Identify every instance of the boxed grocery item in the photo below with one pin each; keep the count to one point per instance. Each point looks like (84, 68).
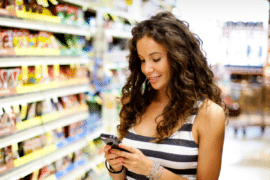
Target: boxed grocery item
(46, 171)
(10, 4)
(8, 121)
(7, 38)
(61, 11)
(7, 157)
(71, 16)
(2, 4)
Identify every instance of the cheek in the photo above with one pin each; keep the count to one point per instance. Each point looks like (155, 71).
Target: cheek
(142, 68)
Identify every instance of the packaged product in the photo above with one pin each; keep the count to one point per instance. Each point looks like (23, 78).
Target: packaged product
(32, 40)
(31, 110)
(81, 98)
(7, 39)
(46, 171)
(80, 16)
(4, 76)
(10, 153)
(61, 11)
(2, 4)
(10, 4)
(19, 5)
(1, 39)
(7, 119)
(2, 158)
(58, 134)
(77, 155)
(59, 164)
(65, 101)
(13, 77)
(71, 16)
(43, 39)
(34, 144)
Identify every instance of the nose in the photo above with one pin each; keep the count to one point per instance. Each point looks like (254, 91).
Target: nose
(148, 67)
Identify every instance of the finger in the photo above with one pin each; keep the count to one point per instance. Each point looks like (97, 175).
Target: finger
(111, 156)
(124, 154)
(116, 161)
(129, 148)
(107, 148)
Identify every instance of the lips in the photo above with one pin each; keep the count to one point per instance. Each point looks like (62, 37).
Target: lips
(154, 79)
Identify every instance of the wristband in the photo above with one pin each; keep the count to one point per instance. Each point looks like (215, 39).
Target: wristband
(110, 169)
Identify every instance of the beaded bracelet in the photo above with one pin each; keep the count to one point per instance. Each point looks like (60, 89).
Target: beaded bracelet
(154, 167)
(159, 173)
(110, 169)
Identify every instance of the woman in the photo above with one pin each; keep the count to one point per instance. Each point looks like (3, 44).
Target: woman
(172, 118)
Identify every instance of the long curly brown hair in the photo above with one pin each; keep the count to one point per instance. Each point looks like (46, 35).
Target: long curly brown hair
(191, 76)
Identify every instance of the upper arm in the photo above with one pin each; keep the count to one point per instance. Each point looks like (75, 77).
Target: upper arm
(211, 131)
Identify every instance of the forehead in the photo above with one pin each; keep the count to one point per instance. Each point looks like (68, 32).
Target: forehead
(148, 45)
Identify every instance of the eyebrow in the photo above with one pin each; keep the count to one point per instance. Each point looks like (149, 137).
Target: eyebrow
(151, 54)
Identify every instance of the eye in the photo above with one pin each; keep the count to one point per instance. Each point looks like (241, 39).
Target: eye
(142, 61)
(156, 60)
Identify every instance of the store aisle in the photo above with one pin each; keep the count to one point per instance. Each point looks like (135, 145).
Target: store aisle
(246, 157)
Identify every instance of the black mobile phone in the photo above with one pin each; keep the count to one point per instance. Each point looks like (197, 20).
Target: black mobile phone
(111, 140)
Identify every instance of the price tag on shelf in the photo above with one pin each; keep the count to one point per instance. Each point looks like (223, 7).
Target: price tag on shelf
(24, 73)
(16, 109)
(45, 70)
(23, 110)
(56, 70)
(38, 71)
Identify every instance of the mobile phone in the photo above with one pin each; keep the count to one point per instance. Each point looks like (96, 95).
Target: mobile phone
(111, 140)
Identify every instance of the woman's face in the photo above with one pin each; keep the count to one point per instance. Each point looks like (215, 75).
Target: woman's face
(154, 62)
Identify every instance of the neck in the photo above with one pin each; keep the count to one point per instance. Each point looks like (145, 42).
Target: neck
(162, 96)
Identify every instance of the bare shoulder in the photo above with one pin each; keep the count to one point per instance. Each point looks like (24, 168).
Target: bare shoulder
(210, 116)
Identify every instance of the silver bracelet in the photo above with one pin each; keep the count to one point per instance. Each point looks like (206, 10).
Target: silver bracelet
(159, 172)
(153, 170)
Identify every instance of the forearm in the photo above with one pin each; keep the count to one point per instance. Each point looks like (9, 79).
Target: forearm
(121, 176)
(166, 174)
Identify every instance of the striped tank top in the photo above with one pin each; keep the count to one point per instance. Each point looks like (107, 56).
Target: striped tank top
(177, 153)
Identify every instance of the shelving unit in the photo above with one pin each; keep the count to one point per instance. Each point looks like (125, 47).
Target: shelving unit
(9, 97)
(32, 61)
(45, 26)
(48, 159)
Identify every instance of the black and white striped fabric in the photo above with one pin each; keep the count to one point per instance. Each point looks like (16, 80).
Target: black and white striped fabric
(177, 153)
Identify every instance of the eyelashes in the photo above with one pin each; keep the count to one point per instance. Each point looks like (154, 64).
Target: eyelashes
(155, 60)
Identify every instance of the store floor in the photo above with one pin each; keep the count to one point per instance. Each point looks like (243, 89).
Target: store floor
(246, 157)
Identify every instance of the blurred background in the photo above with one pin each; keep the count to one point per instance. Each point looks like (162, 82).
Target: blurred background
(63, 64)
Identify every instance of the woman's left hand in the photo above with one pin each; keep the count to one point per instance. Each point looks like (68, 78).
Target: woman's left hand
(134, 160)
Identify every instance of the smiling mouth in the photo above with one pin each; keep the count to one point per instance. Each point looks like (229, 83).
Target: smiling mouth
(153, 79)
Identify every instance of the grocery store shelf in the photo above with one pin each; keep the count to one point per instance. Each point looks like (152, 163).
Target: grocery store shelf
(41, 129)
(118, 34)
(28, 168)
(83, 3)
(43, 95)
(44, 26)
(83, 169)
(244, 70)
(32, 61)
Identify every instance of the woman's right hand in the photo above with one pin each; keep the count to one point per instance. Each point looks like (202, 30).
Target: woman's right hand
(115, 161)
